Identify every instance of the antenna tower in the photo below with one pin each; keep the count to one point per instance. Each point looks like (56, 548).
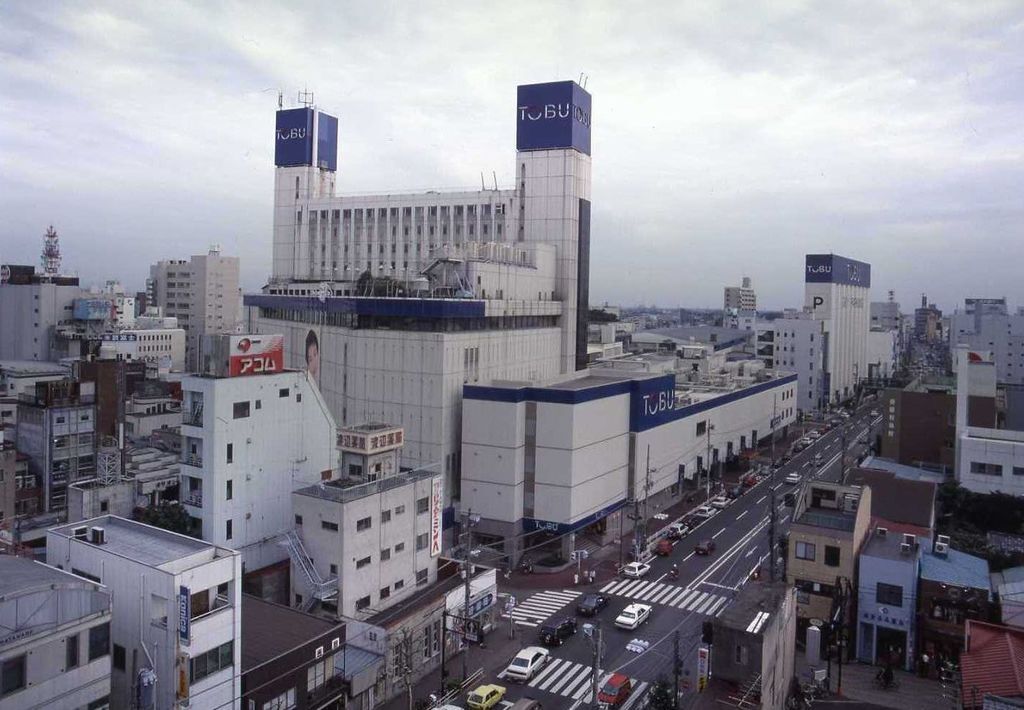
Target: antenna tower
(306, 98)
(50, 257)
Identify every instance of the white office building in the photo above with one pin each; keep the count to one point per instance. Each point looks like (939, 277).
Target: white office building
(795, 344)
(202, 293)
(740, 298)
(566, 456)
(31, 307)
(55, 648)
(883, 353)
(985, 325)
(176, 619)
(250, 438)
(395, 301)
(836, 292)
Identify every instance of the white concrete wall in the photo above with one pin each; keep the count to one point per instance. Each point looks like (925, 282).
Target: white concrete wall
(882, 351)
(846, 311)
(28, 315)
(283, 445)
(493, 455)
(996, 447)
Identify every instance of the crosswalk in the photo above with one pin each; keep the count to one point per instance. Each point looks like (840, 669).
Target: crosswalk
(573, 680)
(668, 594)
(534, 610)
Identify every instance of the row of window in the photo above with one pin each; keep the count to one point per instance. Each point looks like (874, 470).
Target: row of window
(808, 551)
(241, 410)
(364, 602)
(407, 212)
(12, 671)
(993, 469)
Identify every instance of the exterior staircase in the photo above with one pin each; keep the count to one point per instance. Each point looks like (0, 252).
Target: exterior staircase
(320, 589)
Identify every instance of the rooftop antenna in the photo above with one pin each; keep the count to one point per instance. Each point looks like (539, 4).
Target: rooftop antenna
(482, 186)
(580, 82)
(50, 257)
(280, 99)
(306, 98)
(495, 176)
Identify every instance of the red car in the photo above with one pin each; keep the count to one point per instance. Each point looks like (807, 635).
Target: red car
(616, 690)
(664, 548)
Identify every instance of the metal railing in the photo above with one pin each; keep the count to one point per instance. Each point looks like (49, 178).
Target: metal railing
(321, 588)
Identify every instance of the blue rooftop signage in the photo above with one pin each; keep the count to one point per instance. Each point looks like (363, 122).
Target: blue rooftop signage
(831, 268)
(652, 402)
(553, 115)
(326, 141)
(293, 143)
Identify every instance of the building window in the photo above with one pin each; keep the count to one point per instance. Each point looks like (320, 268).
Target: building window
(399, 584)
(13, 675)
(889, 594)
(318, 673)
(385, 517)
(831, 556)
(385, 554)
(298, 397)
(334, 568)
(422, 505)
(362, 563)
(421, 577)
(987, 469)
(399, 547)
(702, 428)
(385, 592)
(741, 656)
(422, 541)
(298, 520)
(99, 641)
(399, 509)
(364, 524)
(227, 529)
(71, 652)
(240, 410)
(259, 404)
(216, 659)
(283, 392)
(228, 492)
(284, 701)
(362, 603)
(118, 659)
(231, 453)
(328, 525)
(1018, 470)
(805, 551)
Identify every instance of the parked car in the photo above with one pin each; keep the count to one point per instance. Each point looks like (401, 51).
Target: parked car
(636, 570)
(663, 548)
(749, 481)
(703, 512)
(632, 616)
(818, 459)
(734, 492)
(526, 663)
(799, 446)
(786, 458)
(792, 477)
(813, 434)
(720, 502)
(591, 603)
(615, 690)
(677, 530)
(874, 412)
(554, 633)
(485, 697)
(705, 547)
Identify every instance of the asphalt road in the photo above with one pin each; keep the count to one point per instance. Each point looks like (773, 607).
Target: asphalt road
(705, 587)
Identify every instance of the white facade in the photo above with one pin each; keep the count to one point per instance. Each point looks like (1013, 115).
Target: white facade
(883, 353)
(836, 292)
(176, 609)
(796, 345)
(29, 314)
(56, 649)
(740, 298)
(562, 456)
(247, 442)
(161, 346)
(202, 293)
(372, 540)
(993, 330)
(987, 460)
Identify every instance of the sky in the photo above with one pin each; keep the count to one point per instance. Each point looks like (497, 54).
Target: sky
(729, 138)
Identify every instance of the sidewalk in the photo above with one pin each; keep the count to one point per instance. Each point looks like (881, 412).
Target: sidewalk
(912, 691)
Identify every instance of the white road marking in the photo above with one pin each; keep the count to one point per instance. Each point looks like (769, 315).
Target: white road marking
(689, 556)
(741, 515)
(761, 499)
(718, 533)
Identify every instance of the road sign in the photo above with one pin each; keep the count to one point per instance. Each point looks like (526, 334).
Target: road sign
(577, 555)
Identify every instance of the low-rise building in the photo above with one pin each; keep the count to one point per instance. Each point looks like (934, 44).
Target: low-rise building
(176, 618)
(18, 377)
(55, 648)
(754, 641)
(887, 598)
(901, 505)
(830, 523)
(954, 587)
(991, 676)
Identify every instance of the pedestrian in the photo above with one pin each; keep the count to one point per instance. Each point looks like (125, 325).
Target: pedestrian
(924, 665)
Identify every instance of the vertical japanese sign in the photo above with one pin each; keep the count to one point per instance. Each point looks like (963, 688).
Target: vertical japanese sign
(184, 614)
(703, 662)
(436, 504)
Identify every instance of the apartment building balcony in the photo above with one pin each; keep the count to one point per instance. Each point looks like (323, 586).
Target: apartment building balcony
(192, 460)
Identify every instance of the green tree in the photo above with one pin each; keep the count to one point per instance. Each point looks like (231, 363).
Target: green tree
(660, 697)
(169, 516)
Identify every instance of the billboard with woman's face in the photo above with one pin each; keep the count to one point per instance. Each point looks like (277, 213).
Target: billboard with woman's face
(313, 355)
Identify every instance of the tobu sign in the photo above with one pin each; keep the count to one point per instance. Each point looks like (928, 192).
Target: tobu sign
(652, 402)
(436, 504)
(255, 354)
(553, 115)
(835, 269)
(293, 137)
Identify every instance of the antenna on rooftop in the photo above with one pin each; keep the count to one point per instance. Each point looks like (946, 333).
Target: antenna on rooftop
(280, 100)
(495, 176)
(306, 98)
(50, 256)
(482, 186)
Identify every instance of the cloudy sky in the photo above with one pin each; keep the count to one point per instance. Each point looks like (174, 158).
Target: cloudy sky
(728, 139)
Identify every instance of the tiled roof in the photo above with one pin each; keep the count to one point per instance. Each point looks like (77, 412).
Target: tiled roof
(993, 661)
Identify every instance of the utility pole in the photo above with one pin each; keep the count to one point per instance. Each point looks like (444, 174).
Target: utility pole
(594, 668)
(772, 511)
(444, 643)
(467, 571)
(842, 451)
(710, 428)
(675, 670)
(640, 519)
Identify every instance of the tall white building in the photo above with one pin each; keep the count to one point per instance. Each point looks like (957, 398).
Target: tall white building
(456, 287)
(740, 298)
(795, 344)
(836, 292)
(176, 626)
(985, 325)
(31, 307)
(249, 438)
(202, 293)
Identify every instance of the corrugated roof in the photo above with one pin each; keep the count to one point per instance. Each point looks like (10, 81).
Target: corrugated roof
(993, 661)
(957, 569)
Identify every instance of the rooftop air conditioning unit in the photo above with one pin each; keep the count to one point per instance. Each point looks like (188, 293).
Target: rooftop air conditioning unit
(941, 549)
(98, 536)
(909, 539)
(905, 548)
(81, 533)
(319, 651)
(943, 540)
(335, 644)
(882, 532)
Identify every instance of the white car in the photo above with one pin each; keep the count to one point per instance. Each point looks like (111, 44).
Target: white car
(812, 435)
(526, 663)
(720, 502)
(632, 616)
(703, 512)
(793, 477)
(636, 570)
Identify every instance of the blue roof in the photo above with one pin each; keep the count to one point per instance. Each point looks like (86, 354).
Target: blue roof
(957, 569)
